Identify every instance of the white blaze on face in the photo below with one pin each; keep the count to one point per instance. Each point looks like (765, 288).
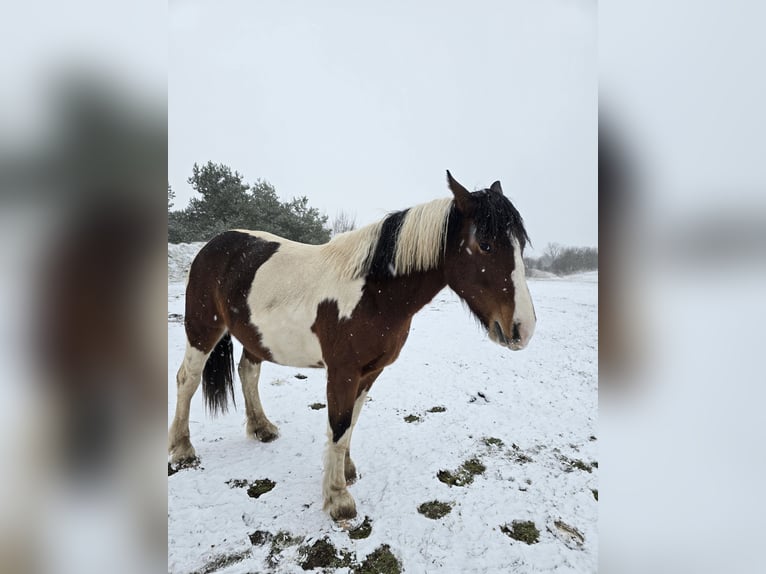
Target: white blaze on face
(524, 310)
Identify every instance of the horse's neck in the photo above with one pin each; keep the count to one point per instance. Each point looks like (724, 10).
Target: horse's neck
(410, 293)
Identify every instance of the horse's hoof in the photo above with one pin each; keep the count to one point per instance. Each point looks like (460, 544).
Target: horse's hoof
(182, 453)
(265, 433)
(342, 507)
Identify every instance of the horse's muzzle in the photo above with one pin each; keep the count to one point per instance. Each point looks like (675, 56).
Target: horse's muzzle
(498, 336)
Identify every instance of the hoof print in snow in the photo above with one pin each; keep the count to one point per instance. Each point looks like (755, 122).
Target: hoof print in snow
(436, 409)
(479, 397)
(362, 531)
(569, 535)
(522, 530)
(463, 475)
(435, 509)
(300, 376)
(411, 419)
(317, 406)
(260, 537)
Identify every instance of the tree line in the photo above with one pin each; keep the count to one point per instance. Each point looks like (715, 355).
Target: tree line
(564, 260)
(226, 201)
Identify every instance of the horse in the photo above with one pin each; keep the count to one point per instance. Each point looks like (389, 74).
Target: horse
(345, 306)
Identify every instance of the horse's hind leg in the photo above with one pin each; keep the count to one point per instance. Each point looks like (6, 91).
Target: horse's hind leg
(188, 380)
(258, 425)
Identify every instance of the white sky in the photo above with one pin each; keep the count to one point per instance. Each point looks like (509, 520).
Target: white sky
(363, 106)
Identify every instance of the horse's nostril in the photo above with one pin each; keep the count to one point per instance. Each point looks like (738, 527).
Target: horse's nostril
(499, 333)
(516, 336)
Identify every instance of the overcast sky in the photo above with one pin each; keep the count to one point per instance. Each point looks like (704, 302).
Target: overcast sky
(363, 106)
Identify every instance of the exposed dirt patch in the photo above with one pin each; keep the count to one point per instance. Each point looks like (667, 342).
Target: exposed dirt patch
(437, 409)
(362, 531)
(595, 493)
(300, 376)
(463, 475)
(435, 509)
(317, 406)
(522, 530)
(411, 418)
(175, 318)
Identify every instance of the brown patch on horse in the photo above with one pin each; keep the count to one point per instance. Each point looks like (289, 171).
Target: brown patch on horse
(220, 279)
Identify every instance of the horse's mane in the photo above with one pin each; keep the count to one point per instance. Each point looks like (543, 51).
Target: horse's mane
(414, 239)
(403, 242)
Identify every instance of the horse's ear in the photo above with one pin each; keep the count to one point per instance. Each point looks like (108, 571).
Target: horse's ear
(496, 188)
(463, 200)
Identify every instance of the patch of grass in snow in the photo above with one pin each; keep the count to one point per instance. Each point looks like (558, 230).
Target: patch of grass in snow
(380, 561)
(317, 406)
(492, 441)
(260, 537)
(569, 534)
(223, 561)
(573, 463)
(362, 531)
(595, 493)
(322, 554)
(463, 475)
(193, 463)
(437, 409)
(281, 541)
(522, 530)
(411, 418)
(435, 509)
(255, 488)
(259, 487)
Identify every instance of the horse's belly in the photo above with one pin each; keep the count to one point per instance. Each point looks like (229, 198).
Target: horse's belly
(290, 341)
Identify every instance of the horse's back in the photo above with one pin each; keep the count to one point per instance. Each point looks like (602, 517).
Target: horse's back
(266, 290)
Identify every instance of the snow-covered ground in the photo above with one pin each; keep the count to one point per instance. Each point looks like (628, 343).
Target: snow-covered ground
(541, 404)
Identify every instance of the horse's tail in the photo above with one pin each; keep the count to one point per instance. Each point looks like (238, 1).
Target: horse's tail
(218, 377)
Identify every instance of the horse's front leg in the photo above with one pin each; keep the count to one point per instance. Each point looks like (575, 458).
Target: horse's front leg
(342, 391)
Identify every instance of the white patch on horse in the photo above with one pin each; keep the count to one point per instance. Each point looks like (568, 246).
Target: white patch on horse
(286, 292)
(524, 310)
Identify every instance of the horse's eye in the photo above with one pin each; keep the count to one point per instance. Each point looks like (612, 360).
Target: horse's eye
(486, 247)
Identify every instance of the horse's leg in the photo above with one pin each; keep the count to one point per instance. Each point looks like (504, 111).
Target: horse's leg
(342, 393)
(188, 379)
(258, 425)
(348, 466)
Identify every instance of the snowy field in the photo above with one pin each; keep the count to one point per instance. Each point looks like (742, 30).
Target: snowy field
(524, 422)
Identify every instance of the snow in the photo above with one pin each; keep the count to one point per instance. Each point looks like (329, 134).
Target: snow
(541, 402)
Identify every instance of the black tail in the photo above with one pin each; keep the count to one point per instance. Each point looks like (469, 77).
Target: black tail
(218, 377)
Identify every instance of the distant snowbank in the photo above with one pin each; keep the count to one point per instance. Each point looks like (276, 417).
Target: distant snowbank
(585, 276)
(180, 256)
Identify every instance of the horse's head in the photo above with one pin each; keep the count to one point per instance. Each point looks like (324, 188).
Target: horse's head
(484, 265)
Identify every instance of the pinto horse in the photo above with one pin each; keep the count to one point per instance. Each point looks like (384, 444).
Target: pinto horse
(345, 306)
